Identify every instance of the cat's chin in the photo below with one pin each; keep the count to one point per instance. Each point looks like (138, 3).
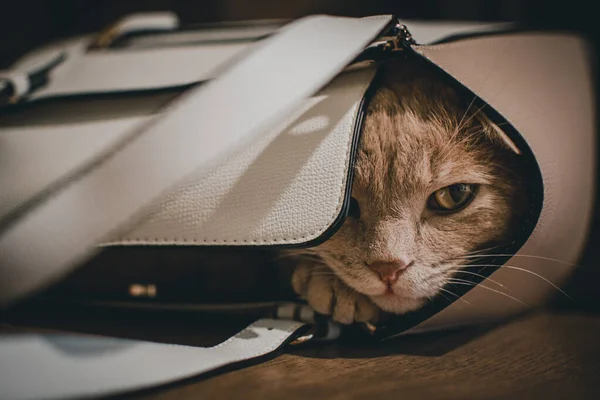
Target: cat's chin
(396, 304)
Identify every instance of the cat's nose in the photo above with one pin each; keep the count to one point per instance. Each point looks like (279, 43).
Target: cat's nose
(389, 271)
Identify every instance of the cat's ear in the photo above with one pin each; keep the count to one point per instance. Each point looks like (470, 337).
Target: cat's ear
(495, 133)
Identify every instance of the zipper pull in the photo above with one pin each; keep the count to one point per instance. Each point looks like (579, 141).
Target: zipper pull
(402, 39)
(404, 36)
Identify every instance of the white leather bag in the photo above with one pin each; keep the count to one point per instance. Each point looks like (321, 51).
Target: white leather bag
(244, 137)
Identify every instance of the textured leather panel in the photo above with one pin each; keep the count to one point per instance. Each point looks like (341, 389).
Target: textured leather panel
(542, 84)
(287, 187)
(76, 366)
(196, 132)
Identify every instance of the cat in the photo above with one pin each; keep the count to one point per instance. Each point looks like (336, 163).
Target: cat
(434, 181)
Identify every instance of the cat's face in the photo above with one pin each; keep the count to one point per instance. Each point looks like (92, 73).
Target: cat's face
(431, 186)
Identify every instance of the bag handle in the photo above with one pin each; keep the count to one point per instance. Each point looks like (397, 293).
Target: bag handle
(45, 239)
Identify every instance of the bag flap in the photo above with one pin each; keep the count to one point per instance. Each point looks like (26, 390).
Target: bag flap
(287, 188)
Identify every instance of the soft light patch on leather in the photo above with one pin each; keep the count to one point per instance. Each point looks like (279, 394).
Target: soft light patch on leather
(311, 125)
(287, 188)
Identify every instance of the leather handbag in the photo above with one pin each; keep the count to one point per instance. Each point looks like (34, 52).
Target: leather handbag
(154, 138)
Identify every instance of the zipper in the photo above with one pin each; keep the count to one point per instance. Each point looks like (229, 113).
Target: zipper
(403, 39)
(400, 40)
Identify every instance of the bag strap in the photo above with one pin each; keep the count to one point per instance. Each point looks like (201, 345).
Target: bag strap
(44, 239)
(65, 366)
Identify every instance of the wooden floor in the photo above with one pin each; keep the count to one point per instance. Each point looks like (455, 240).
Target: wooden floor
(544, 355)
(548, 355)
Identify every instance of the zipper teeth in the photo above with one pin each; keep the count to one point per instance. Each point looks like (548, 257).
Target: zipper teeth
(398, 38)
(404, 35)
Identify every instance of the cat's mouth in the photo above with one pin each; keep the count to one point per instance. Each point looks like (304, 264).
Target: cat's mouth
(400, 298)
(396, 297)
(389, 290)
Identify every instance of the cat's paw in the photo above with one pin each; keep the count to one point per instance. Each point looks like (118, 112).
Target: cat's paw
(327, 294)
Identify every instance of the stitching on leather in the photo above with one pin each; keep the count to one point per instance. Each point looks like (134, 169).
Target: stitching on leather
(310, 235)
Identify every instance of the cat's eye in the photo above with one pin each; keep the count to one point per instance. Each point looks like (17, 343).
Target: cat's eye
(452, 198)
(354, 211)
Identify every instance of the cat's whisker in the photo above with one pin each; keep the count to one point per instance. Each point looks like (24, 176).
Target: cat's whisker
(444, 296)
(475, 253)
(453, 294)
(462, 281)
(473, 115)
(479, 275)
(460, 122)
(472, 256)
(526, 256)
(527, 271)
(429, 298)
(493, 290)
(484, 250)
(539, 276)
